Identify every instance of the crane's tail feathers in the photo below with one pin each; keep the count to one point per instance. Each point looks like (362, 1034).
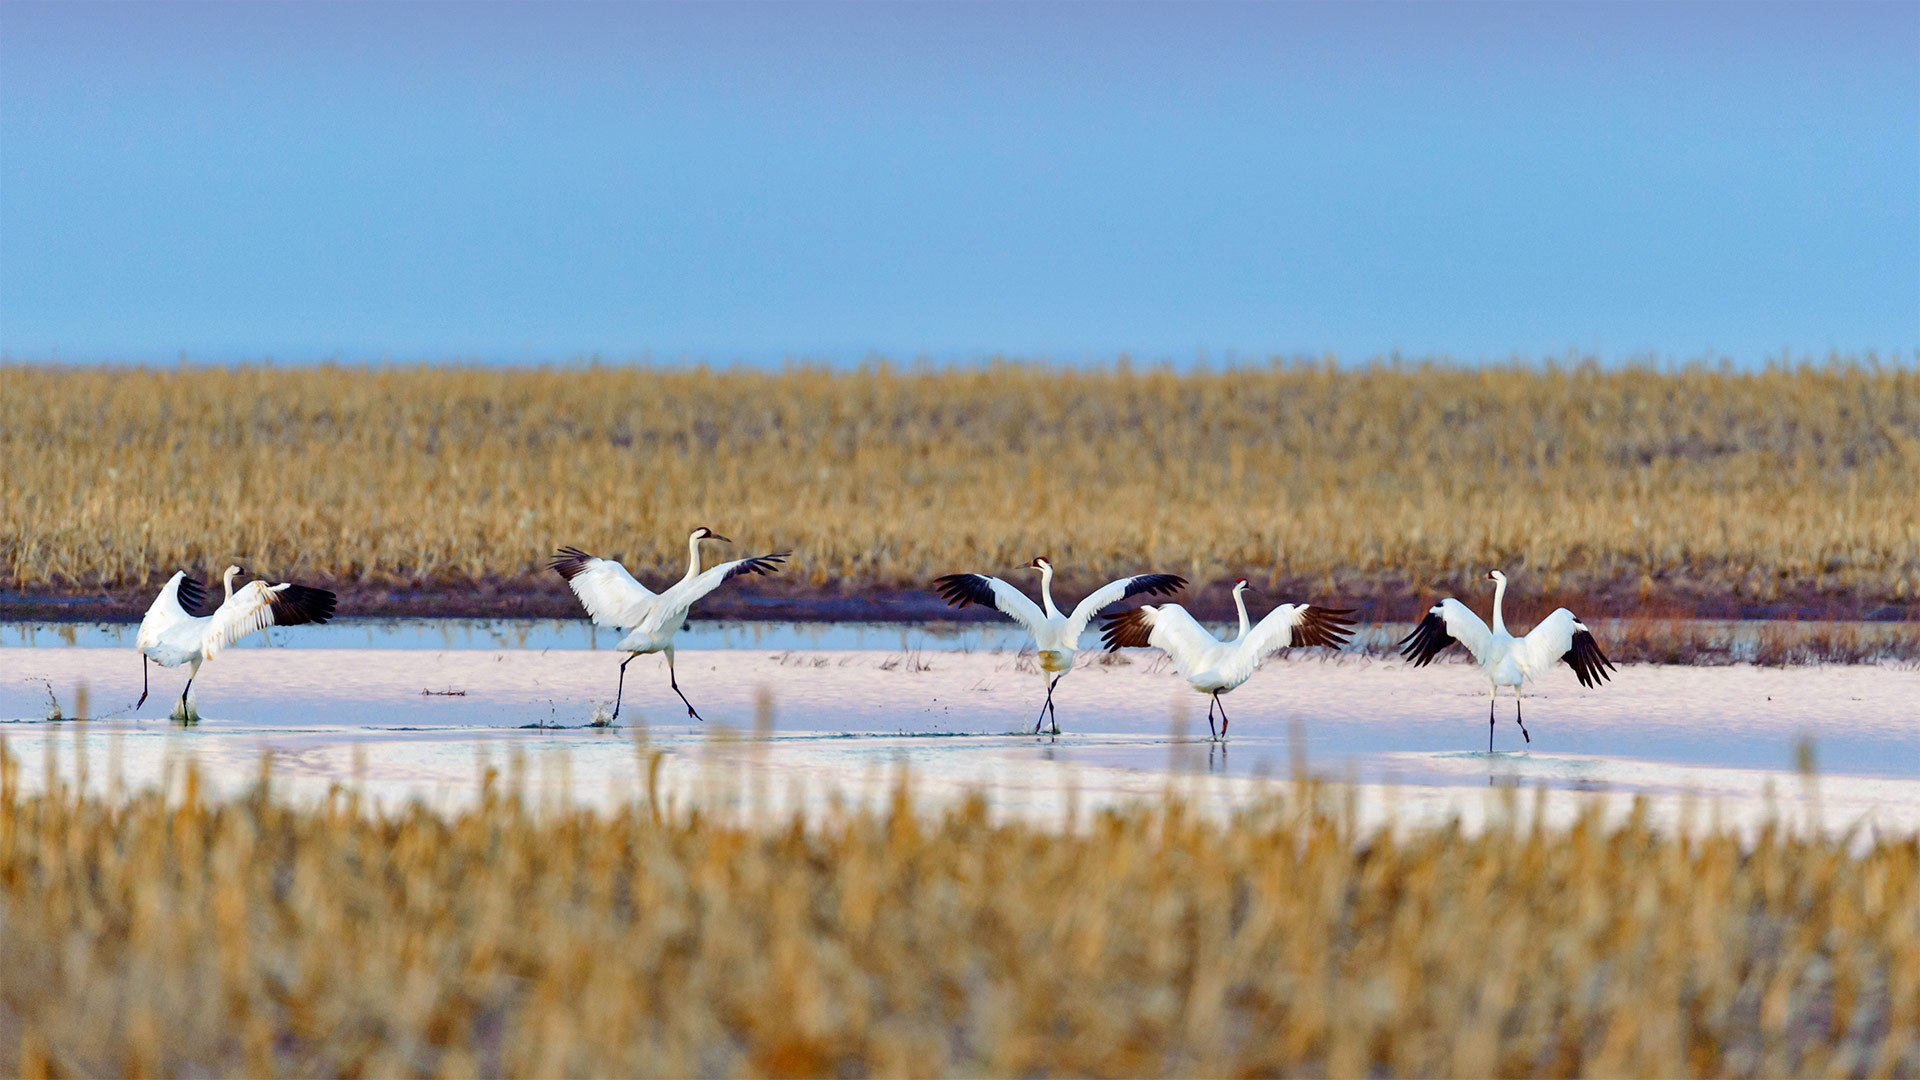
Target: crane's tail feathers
(764, 564)
(1586, 660)
(1130, 629)
(959, 590)
(1324, 626)
(193, 597)
(294, 605)
(1427, 641)
(568, 562)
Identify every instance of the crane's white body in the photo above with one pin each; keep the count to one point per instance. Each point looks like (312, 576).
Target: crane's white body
(616, 600)
(1507, 660)
(170, 635)
(1055, 634)
(1214, 667)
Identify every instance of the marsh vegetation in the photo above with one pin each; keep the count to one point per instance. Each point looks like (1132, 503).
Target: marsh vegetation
(152, 934)
(1697, 490)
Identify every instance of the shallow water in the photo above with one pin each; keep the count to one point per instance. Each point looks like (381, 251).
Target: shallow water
(397, 709)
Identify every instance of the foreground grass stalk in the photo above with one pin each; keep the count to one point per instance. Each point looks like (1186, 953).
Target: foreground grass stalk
(1754, 486)
(156, 935)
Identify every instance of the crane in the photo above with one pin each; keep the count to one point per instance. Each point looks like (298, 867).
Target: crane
(178, 629)
(613, 598)
(1055, 634)
(1214, 667)
(1507, 660)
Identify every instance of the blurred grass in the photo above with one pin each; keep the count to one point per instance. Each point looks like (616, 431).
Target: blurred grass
(1801, 482)
(168, 936)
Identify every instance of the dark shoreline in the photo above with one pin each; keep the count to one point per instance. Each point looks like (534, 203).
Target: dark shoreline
(545, 597)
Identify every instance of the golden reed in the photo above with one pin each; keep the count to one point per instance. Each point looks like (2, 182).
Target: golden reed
(156, 936)
(1697, 481)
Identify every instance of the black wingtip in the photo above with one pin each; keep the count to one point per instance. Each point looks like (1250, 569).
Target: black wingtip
(1589, 664)
(568, 562)
(1128, 630)
(1157, 585)
(192, 596)
(760, 564)
(298, 604)
(1325, 626)
(1427, 641)
(959, 590)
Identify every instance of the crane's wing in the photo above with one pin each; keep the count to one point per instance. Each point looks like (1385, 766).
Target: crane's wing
(257, 606)
(1447, 622)
(1300, 625)
(683, 593)
(1115, 591)
(963, 589)
(1167, 627)
(611, 595)
(1561, 637)
(181, 599)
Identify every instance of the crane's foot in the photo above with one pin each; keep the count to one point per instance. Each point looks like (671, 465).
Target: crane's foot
(690, 709)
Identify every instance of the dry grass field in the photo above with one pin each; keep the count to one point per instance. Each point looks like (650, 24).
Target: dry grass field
(150, 936)
(1785, 490)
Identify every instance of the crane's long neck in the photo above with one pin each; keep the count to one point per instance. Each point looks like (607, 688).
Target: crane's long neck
(1046, 591)
(226, 579)
(693, 558)
(1240, 604)
(1499, 595)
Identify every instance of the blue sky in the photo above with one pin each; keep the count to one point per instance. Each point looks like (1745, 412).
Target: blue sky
(727, 181)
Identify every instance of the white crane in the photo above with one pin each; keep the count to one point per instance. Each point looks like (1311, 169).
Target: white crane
(1214, 667)
(1056, 635)
(1507, 660)
(614, 599)
(177, 630)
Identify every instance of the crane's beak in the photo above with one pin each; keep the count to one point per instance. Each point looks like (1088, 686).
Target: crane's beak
(717, 536)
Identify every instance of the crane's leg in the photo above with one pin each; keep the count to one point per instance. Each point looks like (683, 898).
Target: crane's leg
(186, 706)
(1490, 700)
(1516, 716)
(144, 661)
(675, 683)
(1213, 701)
(1223, 718)
(621, 687)
(1046, 707)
